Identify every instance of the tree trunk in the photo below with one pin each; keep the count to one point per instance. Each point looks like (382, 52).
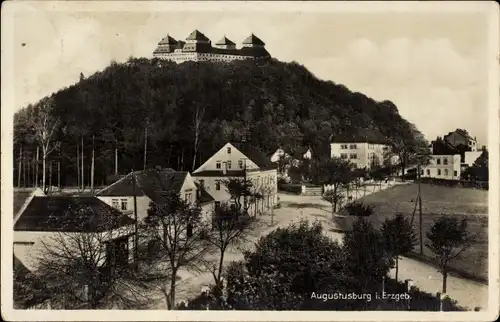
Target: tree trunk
(82, 168)
(59, 175)
(116, 157)
(19, 167)
(92, 165)
(397, 267)
(145, 146)
(44, 170)
(171, 293)
(420, 214)
(37, 165)
(28, 168)
(78, 166)
(445, 276)
(24, 171)
(182, 159)
(50, 176)
(218, 282)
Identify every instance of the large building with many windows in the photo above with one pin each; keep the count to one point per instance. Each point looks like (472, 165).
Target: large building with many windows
(198, 47)
(362, 154)
(443, 167)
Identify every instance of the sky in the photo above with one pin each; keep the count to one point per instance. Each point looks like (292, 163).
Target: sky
(433, 66)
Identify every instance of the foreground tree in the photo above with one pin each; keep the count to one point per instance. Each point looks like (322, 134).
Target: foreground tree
(231, 228)
(399, 237)
(240, 191)
(80, 266)
(367, 260)
(449, 238)
(175, 231)
(335, 198)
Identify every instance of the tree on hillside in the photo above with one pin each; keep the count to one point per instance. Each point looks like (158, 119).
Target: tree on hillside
(44, 125)
(359, 209)
(367, 260)
(399, 237)
(449, 238)
(179, 234)
(230, 228)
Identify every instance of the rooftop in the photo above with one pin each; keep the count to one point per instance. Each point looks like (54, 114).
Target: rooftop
(197, 35)
(253, 40)
(70, 214)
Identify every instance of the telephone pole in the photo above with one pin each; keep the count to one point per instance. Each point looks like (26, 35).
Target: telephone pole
(136, 242)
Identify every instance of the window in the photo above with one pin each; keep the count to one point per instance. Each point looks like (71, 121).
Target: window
(218, 165)
(228, 150)
(445, 172)
(439, 172)
(428, 172)
(217, 204)
(455, 173)
(445, 161)
(217, 185)
(353, 146)
(438, 161)
(421, 172)
(343, 146)
(354, 156)
(343, 155)
(124, 204)
(240, 164)
(228, 164)
(187, 197)
(114, 203)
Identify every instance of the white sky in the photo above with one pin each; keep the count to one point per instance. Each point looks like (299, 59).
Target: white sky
(432, 66)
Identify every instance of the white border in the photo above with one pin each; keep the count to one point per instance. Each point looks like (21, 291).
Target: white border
(9, 9)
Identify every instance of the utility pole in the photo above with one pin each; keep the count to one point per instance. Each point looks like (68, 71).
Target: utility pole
(145, 146)
(420, 211)
(92, 165)
(136, 242)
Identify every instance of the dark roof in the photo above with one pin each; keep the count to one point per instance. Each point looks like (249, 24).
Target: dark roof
(20, 197)
(225, 41)
(204, 196)
(168, 41)
(253, 40)
(70, 214)
(256, 156)
(197, 35)
(153, 183)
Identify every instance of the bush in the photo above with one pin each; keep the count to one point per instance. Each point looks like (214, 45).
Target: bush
(359, 209)
(456, 183)
(290, 187)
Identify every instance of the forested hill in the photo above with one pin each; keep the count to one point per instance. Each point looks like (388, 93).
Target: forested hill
(279, 103)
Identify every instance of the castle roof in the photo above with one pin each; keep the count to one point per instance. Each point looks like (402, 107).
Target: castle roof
(168, 41)
(253, 40)
(225, 41)
(197, 35)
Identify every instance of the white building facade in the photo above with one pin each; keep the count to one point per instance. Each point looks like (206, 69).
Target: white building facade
(443, 167)
(362, 154)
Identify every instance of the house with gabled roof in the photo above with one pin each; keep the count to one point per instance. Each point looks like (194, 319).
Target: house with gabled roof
(239, 160)
(150, 186)
(46, 220)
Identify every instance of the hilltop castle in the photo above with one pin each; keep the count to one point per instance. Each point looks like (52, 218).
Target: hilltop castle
(198, 47)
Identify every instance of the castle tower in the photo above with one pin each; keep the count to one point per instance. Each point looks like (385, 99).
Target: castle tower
(166, 45)
(225, 43)
(253, 42)
(197, 42)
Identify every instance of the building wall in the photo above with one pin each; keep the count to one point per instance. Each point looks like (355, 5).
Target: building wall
(30, 245)
(235, 156)
(361, 154)
(179, 56)
(443, 167)
(266, 181)
(456, 139)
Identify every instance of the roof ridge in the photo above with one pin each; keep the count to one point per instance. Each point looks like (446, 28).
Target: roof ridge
(114, 183)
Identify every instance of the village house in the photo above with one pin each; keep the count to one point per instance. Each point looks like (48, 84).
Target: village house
(46, 221)
(284, 160)
(363, 154)
(461, 137)
(150, 186)
(239, 160)
(443, 167)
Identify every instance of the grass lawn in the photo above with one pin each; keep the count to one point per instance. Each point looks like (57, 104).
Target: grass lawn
(438, 200)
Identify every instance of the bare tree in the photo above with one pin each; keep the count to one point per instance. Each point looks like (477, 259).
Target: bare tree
(239, 188)
(85, 264)
(197, 122)
(44, 125)
(231, 228)
(176, 232)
